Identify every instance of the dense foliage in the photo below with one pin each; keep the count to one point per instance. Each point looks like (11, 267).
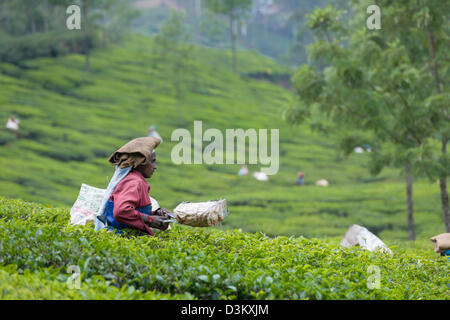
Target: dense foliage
(37, 244)
(273, 28)
(380, 82)
(31, 29)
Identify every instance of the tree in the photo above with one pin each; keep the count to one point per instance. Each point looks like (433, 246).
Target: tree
(112, 18)
(85, 11)
(175, 55)
(38, 28)
(423, 27)
(235, 10)
(24, 17)
(211, 28)
(433, 22)
(368, 81)
(107, 16)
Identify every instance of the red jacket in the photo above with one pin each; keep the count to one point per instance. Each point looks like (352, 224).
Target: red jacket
(131, 193)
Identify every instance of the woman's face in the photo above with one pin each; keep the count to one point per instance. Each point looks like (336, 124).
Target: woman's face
(149, 168)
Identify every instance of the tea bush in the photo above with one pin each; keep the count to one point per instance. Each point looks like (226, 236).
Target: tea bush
(39, 285)
(203, 263)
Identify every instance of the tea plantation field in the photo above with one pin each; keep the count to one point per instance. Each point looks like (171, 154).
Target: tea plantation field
(38, 247)
(72, 120)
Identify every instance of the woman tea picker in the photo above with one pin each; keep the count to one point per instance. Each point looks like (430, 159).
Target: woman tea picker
(127, 203)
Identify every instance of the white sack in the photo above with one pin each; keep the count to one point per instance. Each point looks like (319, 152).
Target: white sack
(322, 183)
(357, 235)
(261, 176)
(201, 214)
(358, 150)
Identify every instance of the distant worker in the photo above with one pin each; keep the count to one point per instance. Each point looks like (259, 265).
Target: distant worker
(301, 179)
(13, 125)
(243, 171)
(367, 147)
(153, 133)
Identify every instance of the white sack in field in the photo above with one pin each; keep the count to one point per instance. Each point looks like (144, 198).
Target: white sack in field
(358, 150)
(261, 176)
(357, 235)
(322, 183)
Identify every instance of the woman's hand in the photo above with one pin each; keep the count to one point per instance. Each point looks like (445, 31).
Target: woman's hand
(158, 222)
(163, 212)
(155, 221)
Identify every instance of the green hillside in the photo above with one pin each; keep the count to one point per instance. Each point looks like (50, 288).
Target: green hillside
(72, 120)
(200, 263)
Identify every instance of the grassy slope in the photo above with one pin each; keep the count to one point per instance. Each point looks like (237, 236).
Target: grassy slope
(201, 263)
(72, 120)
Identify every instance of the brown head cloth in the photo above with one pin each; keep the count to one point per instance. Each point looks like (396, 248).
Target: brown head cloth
(135, 152)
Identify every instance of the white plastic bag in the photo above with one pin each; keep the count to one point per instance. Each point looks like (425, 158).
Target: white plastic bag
(201, 214)
(87, 205)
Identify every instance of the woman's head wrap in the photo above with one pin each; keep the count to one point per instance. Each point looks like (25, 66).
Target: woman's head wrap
(135, 153)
